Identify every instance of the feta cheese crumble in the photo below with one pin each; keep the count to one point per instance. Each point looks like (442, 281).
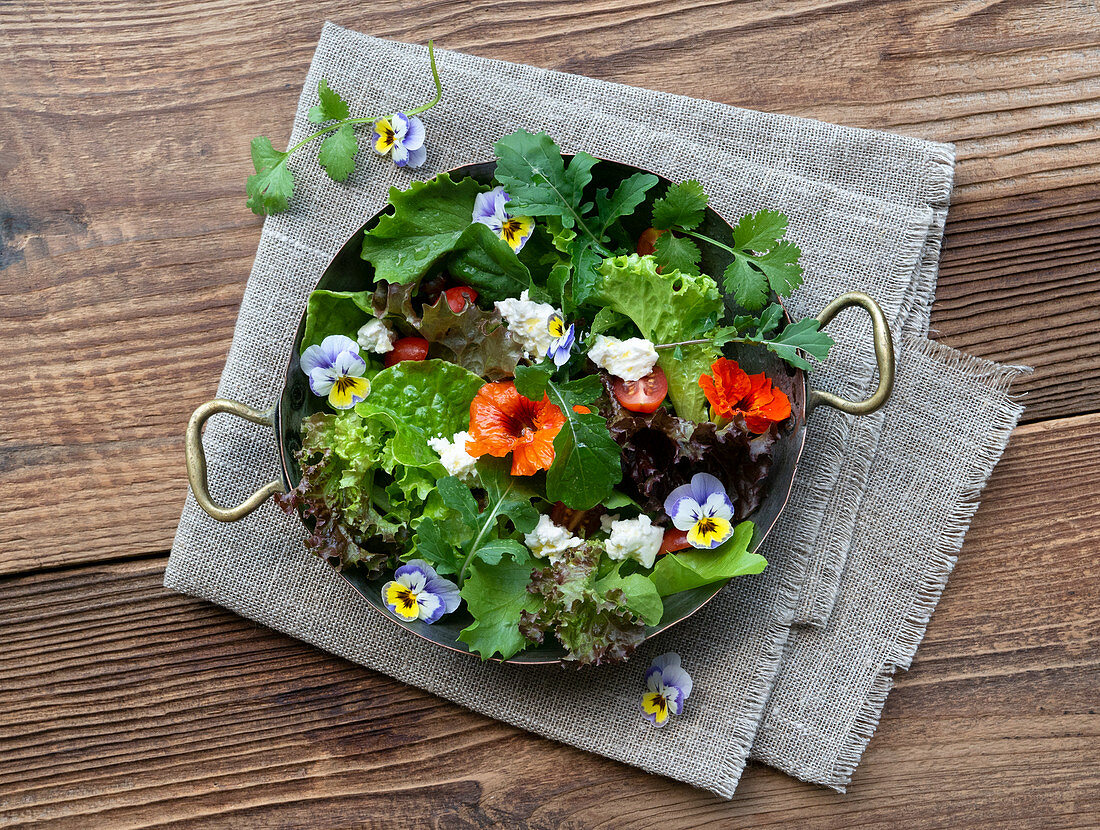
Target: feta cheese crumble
(636, 539)
(375, 336)
(631, 359)
(551, 541)
(529, 323)
(456, 460)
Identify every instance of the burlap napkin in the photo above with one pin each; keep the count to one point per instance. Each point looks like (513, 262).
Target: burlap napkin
(866, 209)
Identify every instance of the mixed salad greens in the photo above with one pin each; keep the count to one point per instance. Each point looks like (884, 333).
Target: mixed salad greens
(527, 412)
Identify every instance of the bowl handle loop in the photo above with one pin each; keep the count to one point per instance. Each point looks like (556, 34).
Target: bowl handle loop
(884, 356)
(196, 459)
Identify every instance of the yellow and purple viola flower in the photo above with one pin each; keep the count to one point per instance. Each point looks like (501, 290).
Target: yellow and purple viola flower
(417, 592)
(563, 341)
(667, 687)
(703, 509)
(335, 370)
(489, 210)
(402, 136)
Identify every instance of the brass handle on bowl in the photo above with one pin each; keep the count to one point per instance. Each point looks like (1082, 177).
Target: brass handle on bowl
(196, 459)
(884, 356)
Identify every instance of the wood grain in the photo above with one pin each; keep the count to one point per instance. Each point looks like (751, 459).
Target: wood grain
(127, 706)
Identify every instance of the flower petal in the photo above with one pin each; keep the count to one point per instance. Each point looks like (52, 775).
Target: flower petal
(347, 391)
(350, 363)
(718, 505)
(399, 155)
(431, 607)
(489, 209)
(708, 533)
(384, 136)
(675, 676)
(704, 485)
(414, 135)
(321, 380)
(417, 157)
(400, 123)
(446, 590)
(401, 600)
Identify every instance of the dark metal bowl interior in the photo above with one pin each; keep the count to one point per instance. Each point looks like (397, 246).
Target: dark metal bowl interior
(349, 272)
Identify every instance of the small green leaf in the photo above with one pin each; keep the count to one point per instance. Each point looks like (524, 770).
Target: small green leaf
(759, 231)
(496, 595)
(692, 568)
(805, 335)
(780, 264)
(336, 312)
(682, 207)
(532, 170)
(270, 189)
(331, 107)
(640, 595)
(458, 497)
(491, 552)
(485, 261)
(677, 253)
(628, 195)
(337, 153)
(531, 380)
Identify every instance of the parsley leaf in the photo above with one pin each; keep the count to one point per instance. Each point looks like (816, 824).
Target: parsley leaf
(682, 207)
(748, 285)
(271, 187)
(332, 106)
(763, 260)
(337, 153)
(677, 253)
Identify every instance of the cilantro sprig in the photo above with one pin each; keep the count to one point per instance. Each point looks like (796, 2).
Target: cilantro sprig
(271, 187)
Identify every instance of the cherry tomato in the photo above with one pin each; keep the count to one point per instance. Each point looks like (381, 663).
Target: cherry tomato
(407, 348)
(458, 296)
(647, 242)
(674, 540)
(643, 395)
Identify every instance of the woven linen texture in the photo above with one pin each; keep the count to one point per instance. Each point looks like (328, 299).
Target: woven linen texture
(862, 207)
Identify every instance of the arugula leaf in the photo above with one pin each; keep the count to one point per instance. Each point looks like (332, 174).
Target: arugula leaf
(331, 107)
(586, 277)
(458, 497)
(270, 189)
(532, 170)
(336, 312)
(491, 552)
(428, 222)
(433, 548)
(496, 596)
(667, 307)
(682, 206)
(608, 319)
(677, 253)
(805, 335)
(506, 495)
(337, 153)
(485, 261)
(627, 196)
(586, 458)
(689, 569)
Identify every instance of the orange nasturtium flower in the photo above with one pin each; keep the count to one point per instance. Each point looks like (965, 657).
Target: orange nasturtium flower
(502, 421)
(732, 391)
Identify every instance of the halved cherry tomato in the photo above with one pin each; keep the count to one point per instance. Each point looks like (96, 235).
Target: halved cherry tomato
(643, 395)
(458, 296)
(647, 242)
(674, 540)
(406, 348)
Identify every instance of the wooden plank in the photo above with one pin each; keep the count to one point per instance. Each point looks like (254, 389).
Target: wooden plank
(124, 705)
(124, 243)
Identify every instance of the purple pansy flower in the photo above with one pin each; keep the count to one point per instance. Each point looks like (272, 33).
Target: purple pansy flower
(335, 369)
(402, 136)
(489, 210)
(703, 509)
(562, 343)
(668, 686)
(417, 592)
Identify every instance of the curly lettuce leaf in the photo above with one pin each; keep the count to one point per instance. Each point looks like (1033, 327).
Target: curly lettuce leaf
(586, 459)
(497, 596)
(428, 222)
(597, 618)
(336, 312)
(667, 308)
(478, 339)
(689, 569)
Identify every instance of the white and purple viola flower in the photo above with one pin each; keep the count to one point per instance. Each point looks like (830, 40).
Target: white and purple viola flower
(489, 211)
(703, 509)
(335, 370)
(402, 136)
(563, 339)
(667, 687)
(417, 592)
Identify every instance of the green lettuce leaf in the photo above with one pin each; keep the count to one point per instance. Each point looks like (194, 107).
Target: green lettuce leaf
(496, 596)
(336, 312)
(689, 569)
(428, 222)
(667, 308)
(485, 261)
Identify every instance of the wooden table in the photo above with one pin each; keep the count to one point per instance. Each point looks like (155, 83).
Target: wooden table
(124, 133)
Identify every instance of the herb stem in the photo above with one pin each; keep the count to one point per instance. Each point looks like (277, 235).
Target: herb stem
(416, 111)
(701, 342)
(713, 242)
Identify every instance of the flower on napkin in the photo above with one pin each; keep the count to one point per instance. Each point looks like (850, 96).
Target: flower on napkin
(732, 391)
(502, 421)
(668, 686)
(702, 508)
(417, 592)
(402, 136)
(335, 369)
(489, 211)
